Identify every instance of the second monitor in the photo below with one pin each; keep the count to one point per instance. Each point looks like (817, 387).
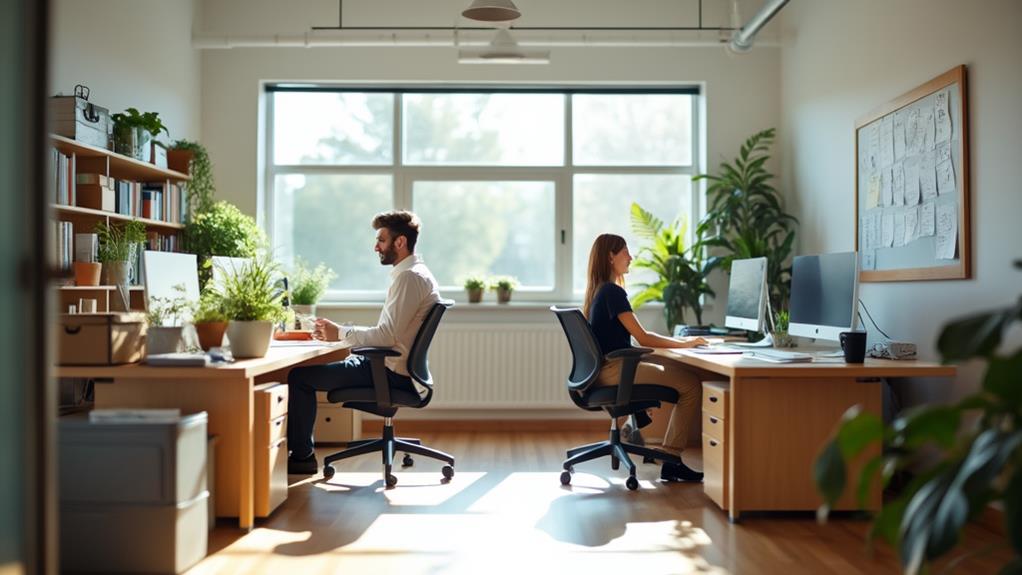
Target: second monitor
(746, 295)
(824, 295)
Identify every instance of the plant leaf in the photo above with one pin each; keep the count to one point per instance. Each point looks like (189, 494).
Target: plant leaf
(977, 335)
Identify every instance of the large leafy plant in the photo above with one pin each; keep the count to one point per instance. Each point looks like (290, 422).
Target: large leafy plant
(253, 293)
(975, 464)
(745, 218)
(222, 230)
(132, 118)
(681, 273)
(201, 189)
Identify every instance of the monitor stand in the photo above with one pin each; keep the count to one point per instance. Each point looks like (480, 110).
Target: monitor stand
(768, 338)
(767, 341)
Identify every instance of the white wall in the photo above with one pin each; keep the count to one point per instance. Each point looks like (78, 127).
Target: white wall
(842, 59)
(130, 53)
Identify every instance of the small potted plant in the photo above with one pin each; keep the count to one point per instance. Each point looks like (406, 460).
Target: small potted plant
(780, 335)
(308, 285)
(117, 249)
(474, 286)
(503, 285)
(88, 271)
(134, 132)
(252, 303)
(210, 319)
(164, 316)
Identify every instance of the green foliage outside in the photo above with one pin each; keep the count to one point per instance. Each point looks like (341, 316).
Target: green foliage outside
(201, 188)
(745, 219)
(308, 285)
(223, 230)
(161, 311)
(252, 293)
(975, 464)
(116, 243)
(681, 273)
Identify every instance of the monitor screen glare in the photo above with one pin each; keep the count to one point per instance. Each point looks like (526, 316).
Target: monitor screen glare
(745, 294)
(824, 292)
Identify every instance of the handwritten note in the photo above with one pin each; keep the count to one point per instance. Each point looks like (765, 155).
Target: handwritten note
(899, 136)
(927, 177)
(868, 260)
(886, 189)
(942, 117)
(913, 124)
(947, 230)
(911, 167)
(927, 226)
(887, 230)
(899, 229)
(873, 196)
(928, 131)
(887, 141)
(873, 145)
(898, 184)
(911, 224)
(945, 178)
(943, 152)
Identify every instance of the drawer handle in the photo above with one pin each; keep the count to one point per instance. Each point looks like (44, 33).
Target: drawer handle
(280, 398)
(279, 422)
(713, 443)
(713, 399)
(713, 419)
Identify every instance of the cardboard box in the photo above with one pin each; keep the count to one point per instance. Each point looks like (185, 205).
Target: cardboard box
(100, 338)
(97, 197)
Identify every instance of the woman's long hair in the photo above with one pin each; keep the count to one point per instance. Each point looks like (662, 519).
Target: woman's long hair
(600, 271)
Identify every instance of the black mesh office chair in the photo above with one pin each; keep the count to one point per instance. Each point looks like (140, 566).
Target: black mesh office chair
(384, 401)
(624, 399)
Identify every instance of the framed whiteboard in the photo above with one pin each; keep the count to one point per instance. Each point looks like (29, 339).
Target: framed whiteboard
(912, 184)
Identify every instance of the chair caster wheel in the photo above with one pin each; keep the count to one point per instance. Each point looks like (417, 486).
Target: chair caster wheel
(328, 471)
(632, 483)
(565, 478)
(448, 472)
(391, 480)
(615, 463)
(648, 459)
(407, 461)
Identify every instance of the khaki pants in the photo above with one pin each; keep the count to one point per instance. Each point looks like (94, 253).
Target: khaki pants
(672, 375)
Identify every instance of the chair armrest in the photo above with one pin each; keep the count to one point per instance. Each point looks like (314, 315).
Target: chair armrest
(630, 357)
(629, 352)
(370, 351)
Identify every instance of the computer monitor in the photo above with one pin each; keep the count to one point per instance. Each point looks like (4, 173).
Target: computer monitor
(165, 271)
(824, 295)
(746, 294)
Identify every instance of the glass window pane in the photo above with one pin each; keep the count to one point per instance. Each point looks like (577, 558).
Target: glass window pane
(602, 204)
(488, 228)
(484, 129)
(328, 218)
(333, 128)
(632, 129)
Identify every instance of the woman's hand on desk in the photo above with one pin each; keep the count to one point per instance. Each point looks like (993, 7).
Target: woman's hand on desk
(326, 330)
(691, 341)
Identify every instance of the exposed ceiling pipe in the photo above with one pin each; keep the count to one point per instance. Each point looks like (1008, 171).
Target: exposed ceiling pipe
(741, 40)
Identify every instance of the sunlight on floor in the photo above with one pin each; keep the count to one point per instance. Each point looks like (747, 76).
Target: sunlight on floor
(413, 488)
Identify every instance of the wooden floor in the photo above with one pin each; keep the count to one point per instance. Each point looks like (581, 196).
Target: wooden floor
(506, 512)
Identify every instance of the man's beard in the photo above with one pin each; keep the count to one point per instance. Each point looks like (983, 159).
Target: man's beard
(388, 256)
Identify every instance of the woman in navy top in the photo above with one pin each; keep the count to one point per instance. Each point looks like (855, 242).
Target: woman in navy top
(614, 324)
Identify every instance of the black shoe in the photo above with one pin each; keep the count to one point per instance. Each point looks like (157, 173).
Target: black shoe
(642, 419)
(680, 472)
(307, 466)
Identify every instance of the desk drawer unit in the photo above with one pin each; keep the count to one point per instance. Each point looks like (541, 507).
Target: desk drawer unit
(715, 442)
(335, 424)
(270, 445)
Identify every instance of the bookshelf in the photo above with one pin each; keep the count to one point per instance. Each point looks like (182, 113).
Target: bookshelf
(165, 230)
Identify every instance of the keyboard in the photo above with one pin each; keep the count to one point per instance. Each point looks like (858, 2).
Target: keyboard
(778, 356)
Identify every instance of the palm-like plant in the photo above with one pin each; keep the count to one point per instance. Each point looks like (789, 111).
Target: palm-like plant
(745, 218)
(681, 273)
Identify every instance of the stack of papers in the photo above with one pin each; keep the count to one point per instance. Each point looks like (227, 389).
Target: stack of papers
(134, 415)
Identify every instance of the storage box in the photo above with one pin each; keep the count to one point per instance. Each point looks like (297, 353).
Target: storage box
(96, 196)
(100, 338)
(74, 117)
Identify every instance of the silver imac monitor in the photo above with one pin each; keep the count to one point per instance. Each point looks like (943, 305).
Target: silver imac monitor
(746, 294)
(824, 295)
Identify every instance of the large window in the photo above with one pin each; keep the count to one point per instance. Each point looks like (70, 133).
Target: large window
(506, 182)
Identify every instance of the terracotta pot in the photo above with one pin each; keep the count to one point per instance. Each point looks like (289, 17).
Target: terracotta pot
(503, 295)
(87, 273)
(249, 338)
(163, 340)
(211, 334)
(475, 295)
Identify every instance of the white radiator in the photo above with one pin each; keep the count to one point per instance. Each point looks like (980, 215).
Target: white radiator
(500, 366)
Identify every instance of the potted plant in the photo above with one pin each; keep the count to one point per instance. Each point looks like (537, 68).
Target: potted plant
(88, 272)
(308, 285)
(192, 158)
(503, 285)
(222, 230)
(474, 286)
(134, 132)
(164, 316)
(745, 219)
(962, 463)
(210, 319)
(781, 337)
(681, 273)
(117, 249)
(252, 303)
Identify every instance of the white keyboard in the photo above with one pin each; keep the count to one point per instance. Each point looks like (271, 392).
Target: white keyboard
(778, 356)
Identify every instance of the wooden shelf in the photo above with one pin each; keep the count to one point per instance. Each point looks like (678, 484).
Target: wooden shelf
(120, 166)
(98, 288)
(114, 216)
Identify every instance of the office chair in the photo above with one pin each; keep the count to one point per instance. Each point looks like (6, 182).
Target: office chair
(384, 401)
(624, 399)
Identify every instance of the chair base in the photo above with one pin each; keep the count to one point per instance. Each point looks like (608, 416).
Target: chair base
(387, 446)
(618, 452)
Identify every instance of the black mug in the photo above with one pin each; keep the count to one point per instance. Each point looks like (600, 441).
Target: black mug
(853, 343)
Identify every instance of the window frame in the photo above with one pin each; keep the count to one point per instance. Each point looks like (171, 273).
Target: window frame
(405, 176)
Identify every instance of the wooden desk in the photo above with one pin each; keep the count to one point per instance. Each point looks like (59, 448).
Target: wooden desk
(224, 392)
(780, 415)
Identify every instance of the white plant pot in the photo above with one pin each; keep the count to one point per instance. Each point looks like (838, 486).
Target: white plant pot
(249, 338)
(163, 340)
(303, 309)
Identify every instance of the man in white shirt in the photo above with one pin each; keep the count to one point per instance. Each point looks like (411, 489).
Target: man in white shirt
(413, 291)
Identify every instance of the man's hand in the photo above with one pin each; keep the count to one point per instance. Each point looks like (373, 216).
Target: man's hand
(326, 330)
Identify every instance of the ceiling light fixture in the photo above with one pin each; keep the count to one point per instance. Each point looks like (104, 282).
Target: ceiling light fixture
(492, 11)
(503, 50)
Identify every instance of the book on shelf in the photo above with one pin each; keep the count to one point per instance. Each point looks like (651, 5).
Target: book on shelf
(86, 247)
(64, 245)
(62, 180)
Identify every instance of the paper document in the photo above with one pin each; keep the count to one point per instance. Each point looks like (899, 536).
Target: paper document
(899, 136)
(887, 141)
(947, 230)
(873, 145)
(868, 260)
(927, 213)
(945, 178)
(911, 167)
(887, 230)
(886, 189)
(942, 117)
(899, 229)
(928, 177)
(928, 131)
(913, 134)
(873, 195)
(911, 224)
(898, 184)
